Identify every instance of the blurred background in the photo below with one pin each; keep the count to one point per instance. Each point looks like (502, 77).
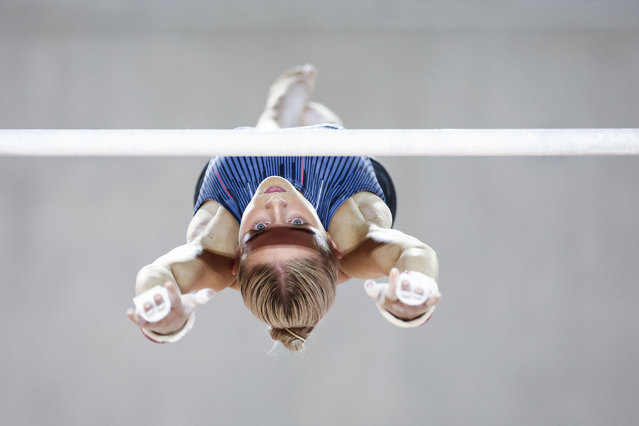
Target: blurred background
(538, 256)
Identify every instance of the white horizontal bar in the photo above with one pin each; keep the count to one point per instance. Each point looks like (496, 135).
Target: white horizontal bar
(374, 142)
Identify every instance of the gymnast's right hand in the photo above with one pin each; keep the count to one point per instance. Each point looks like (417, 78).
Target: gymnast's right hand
(182, 306)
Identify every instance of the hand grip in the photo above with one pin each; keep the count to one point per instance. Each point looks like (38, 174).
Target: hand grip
(421, 288)
(158, 310)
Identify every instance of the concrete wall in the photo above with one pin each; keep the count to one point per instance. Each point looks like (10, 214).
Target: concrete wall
(538, 255)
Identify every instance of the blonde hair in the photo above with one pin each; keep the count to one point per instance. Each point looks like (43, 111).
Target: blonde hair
(290, 296)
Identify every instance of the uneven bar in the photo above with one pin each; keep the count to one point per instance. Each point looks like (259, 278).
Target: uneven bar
(374, 142)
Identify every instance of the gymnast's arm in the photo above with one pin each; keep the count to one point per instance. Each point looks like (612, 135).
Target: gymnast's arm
(376, 251)
(192, 272)
(394, 252)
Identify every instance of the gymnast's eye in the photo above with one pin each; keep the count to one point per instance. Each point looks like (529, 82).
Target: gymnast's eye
(259, 226)
(298, 221)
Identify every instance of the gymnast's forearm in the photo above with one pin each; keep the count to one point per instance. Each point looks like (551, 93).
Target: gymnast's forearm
(419, 258)
(183, 258)
(191, 267)
(412, 258)
(401, 251)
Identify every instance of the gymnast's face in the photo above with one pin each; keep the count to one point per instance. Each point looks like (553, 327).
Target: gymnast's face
(277, 203)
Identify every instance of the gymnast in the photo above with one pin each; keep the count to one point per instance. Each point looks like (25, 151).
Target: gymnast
(284, 231)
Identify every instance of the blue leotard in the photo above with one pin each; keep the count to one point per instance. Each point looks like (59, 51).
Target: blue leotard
(326, 182)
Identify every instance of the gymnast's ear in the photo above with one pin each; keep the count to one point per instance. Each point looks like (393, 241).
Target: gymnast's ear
(333, 246)
(235, 263)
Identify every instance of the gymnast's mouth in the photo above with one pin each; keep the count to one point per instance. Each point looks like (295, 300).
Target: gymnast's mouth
(274, 189)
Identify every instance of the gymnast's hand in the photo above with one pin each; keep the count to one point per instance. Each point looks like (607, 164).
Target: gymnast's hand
(385, 295)
(182, 306)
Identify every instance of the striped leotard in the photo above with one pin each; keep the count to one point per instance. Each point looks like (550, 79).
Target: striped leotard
(326, 182)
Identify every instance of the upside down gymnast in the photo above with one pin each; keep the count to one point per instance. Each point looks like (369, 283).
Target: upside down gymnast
(284, 231)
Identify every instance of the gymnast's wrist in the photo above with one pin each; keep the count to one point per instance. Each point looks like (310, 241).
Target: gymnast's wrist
(171, 337)
(401, 318)
(403, 323)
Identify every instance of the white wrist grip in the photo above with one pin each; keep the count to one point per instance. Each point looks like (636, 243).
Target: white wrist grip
(421, 287)
(158, 310)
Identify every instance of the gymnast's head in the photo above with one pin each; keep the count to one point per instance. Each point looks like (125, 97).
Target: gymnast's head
(287, 271)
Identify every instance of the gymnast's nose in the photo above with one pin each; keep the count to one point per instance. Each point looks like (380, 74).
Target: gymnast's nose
(276, 202)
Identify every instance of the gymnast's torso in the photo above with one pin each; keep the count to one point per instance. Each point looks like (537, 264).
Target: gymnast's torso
(326, 182)
(345, 191)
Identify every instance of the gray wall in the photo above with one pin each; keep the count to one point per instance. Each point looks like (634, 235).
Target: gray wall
(537, 255)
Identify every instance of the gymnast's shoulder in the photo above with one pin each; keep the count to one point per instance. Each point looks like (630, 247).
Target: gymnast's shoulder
(351, 223)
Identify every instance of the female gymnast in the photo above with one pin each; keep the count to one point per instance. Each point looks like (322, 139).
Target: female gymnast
(284, 231)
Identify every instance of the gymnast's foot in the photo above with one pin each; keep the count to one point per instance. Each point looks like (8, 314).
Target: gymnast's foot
(316, 113)
(288, 98)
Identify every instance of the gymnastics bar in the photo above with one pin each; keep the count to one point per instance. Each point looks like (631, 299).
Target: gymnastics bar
(374, 142)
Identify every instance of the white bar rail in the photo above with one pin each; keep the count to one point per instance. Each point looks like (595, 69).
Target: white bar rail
(374, 142)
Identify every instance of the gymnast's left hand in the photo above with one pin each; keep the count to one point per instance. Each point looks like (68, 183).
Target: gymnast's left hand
(385, 295)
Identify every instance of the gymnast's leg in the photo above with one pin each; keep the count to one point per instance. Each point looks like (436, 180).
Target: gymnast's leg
(288, 102)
